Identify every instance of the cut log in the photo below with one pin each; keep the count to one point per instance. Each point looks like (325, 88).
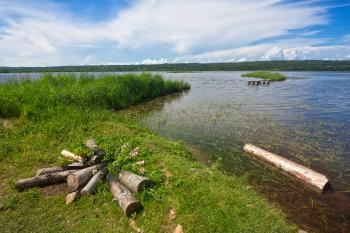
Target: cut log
(43, 180)
(71, 197)
(71, 156)
(134, 182)
(91, 144)
(73, 166)
(312, 179)
(98, 151)
(81, 177)
(123, 196)
(91, 185)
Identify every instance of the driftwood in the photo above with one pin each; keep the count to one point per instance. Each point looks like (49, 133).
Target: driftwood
(312, 179)
(72, 156)
(98, 151)
(91, 185)
(81, 177)
(72, 166)
(71, 197)
(125, 199)
(43, 180)
(134, 182)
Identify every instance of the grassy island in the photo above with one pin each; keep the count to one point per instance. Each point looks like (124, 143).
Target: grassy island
(272, 76)
(39, 118)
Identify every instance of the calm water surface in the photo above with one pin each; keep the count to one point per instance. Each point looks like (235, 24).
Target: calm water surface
(305, 118)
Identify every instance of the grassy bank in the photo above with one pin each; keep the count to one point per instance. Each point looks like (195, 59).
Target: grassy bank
(265, 75)
(40, 118)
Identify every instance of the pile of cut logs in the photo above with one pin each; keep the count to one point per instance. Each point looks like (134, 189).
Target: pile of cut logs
(83, 176)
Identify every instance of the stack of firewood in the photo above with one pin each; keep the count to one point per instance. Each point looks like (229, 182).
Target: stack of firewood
(83, 176)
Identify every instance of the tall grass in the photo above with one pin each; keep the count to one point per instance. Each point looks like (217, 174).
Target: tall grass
(265, 75)
(37, 98)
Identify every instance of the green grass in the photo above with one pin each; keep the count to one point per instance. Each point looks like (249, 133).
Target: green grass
(53, 113)
(272, 76)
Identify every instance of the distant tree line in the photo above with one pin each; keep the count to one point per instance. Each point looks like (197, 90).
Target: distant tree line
(308, 65)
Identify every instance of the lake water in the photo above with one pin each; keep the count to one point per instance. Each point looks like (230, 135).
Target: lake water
(305, 118)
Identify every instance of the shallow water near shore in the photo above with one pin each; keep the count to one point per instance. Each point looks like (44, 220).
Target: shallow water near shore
(305, 118)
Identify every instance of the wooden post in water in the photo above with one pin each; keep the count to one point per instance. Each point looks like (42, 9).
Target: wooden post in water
(312, 179)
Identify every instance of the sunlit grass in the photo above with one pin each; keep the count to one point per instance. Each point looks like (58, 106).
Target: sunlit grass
(265, 75)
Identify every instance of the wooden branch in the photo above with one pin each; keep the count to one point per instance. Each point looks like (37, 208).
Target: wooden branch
(134, 182)
(126, 200)
(312, 179)
(43, 180)
(71, 156)
(72, 166)
(91, 185)
(81, 177)
(71, 197)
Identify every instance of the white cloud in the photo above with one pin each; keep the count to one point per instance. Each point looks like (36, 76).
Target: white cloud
(308, 53)
(149, 61)
(40, 33)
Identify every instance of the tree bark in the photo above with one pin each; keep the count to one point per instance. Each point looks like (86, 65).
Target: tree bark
(72, 166)
(134, 182)
(71, 156)
(126, 200)
(81, 177)
(43, 180)
(312, 179)
(91, 185)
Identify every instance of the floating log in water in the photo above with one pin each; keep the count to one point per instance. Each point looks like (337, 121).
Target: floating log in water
(43, 180)
(70, 155)
(134, 182)
(81, 177)
(125, 199)
(47, 170)
(98, 151)
(314, 180)
(91, 185)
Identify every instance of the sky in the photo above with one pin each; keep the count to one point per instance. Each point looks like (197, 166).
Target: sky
(93, 32)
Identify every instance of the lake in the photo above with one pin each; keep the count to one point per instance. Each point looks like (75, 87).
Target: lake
(305, 118)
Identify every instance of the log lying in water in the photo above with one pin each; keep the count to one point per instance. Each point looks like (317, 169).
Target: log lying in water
(81, 177)
(312, 179)
(134, 182)
(125, 199)
(47, 170)
(70, 155)
(91, 185)
(43, 180)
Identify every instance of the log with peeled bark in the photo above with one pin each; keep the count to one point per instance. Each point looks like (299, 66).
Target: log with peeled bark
(72, 156)
(126, 200)
(71, 197)
(81, 177)
(312, 179)
(43, 180)
(134, 182)
(73, 166)
(91, 185)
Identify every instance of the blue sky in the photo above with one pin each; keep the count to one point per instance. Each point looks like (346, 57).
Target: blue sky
(65, 32)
